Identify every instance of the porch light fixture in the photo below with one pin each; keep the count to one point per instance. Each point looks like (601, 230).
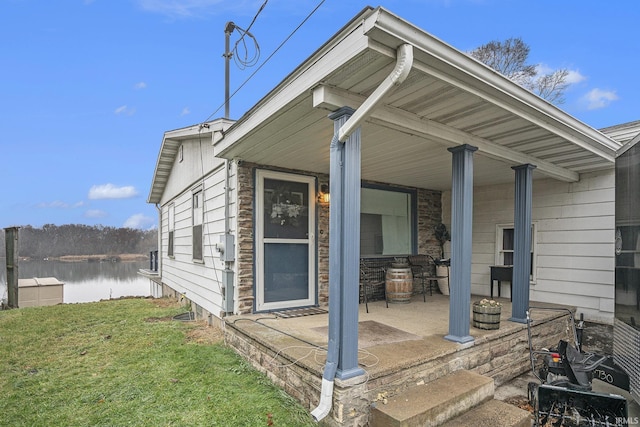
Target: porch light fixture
(323, 194)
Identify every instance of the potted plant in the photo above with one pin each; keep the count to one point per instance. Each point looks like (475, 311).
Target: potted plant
(486, 314)
(442, 236)
(442, 265)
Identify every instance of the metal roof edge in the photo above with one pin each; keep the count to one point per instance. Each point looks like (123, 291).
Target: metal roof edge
(548, 114)
(628, 145)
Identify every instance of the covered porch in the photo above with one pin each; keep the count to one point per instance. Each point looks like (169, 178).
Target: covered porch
(385, 102)
(399, 348)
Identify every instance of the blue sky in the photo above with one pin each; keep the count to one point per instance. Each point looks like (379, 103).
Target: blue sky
(89, 86)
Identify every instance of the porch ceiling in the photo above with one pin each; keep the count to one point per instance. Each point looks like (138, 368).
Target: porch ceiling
(447, 99)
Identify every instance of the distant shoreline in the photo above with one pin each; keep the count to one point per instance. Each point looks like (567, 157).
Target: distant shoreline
(95, 258)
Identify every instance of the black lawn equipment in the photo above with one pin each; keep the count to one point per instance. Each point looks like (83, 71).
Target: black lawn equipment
(564, 396)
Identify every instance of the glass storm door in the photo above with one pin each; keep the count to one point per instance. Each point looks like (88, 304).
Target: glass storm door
(285, 241)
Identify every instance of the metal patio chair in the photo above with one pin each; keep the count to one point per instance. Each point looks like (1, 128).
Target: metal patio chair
(423, 268)
(372, 276)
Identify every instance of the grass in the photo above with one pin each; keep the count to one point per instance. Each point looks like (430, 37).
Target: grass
(127, 363)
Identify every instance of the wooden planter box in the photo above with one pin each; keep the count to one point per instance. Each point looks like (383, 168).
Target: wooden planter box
(487, 317)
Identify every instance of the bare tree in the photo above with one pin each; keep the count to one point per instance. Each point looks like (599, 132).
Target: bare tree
(510, 59)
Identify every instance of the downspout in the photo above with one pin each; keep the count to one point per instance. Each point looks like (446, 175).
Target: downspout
(404, 62)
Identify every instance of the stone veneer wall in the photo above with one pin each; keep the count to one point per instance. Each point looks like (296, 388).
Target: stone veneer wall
(429, 214)
(502, 355)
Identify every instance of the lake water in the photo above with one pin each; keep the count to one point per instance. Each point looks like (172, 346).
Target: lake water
(85, 281)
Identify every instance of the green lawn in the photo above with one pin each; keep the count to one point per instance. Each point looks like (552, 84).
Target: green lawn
(127, 363)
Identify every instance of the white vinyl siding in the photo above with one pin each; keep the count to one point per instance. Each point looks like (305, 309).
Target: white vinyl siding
(200, 281)
(574, 240)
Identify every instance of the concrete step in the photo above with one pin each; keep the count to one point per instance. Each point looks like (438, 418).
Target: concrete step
(434, 403)
(492, 413)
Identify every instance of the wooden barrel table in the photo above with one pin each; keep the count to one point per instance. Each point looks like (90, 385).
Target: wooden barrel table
(399, 283)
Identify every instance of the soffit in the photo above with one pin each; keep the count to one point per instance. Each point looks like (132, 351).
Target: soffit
(447, 99)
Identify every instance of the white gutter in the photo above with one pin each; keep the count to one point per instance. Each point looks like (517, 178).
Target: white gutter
(506, 94)
(404, 62)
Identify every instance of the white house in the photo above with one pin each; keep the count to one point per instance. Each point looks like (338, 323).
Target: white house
(244, 206)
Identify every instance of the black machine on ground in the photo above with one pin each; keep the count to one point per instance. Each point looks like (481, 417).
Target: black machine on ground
(564, 396)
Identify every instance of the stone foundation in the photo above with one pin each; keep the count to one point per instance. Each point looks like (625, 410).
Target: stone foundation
(502, 354)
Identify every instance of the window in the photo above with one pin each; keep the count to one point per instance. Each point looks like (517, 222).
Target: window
(504, 247)
(172, 226)
(197, 224)
(386, 222)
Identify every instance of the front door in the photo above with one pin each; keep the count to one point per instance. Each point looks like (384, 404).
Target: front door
(285, 240)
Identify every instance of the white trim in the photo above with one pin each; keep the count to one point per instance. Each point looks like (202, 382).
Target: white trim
(197, 219)
(332, 98)
(261, 305)
(499, 257)
(171, 230)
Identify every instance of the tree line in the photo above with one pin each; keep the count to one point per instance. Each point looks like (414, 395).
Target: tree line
(76, 239)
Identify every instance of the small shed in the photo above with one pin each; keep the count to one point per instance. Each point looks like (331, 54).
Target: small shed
(40, 291)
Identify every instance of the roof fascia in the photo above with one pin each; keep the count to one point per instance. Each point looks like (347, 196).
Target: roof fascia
(338, 50)
(485, 82)
(169, 149)
(629, 144)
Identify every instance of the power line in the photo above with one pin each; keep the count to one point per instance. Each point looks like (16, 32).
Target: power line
(245, 63)
(270, 56)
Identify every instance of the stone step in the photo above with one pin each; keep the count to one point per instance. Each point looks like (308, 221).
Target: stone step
(492, 413)
(434, 403)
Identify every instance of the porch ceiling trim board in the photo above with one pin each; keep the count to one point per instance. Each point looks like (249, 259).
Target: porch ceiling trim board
(446, 63)
(393, 118)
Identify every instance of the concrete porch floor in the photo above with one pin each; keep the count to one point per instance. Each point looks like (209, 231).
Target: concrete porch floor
(399, 347)
(389, 338)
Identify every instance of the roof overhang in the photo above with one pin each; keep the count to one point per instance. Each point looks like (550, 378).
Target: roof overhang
(171, 141)
(448, 99)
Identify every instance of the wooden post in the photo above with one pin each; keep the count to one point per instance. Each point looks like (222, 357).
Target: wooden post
(11, 246)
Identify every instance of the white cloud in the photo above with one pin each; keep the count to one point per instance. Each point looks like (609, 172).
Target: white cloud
(110, 191)
(574, 76)
(95, 213)
(185, 111)
(543, 69)
(58, 204)
(191, 8)
(139, 221)
(140, 85)
(124, 110)
(598, 98)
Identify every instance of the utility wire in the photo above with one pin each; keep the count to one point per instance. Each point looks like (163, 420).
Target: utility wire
(269, 58)
(245, 63)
